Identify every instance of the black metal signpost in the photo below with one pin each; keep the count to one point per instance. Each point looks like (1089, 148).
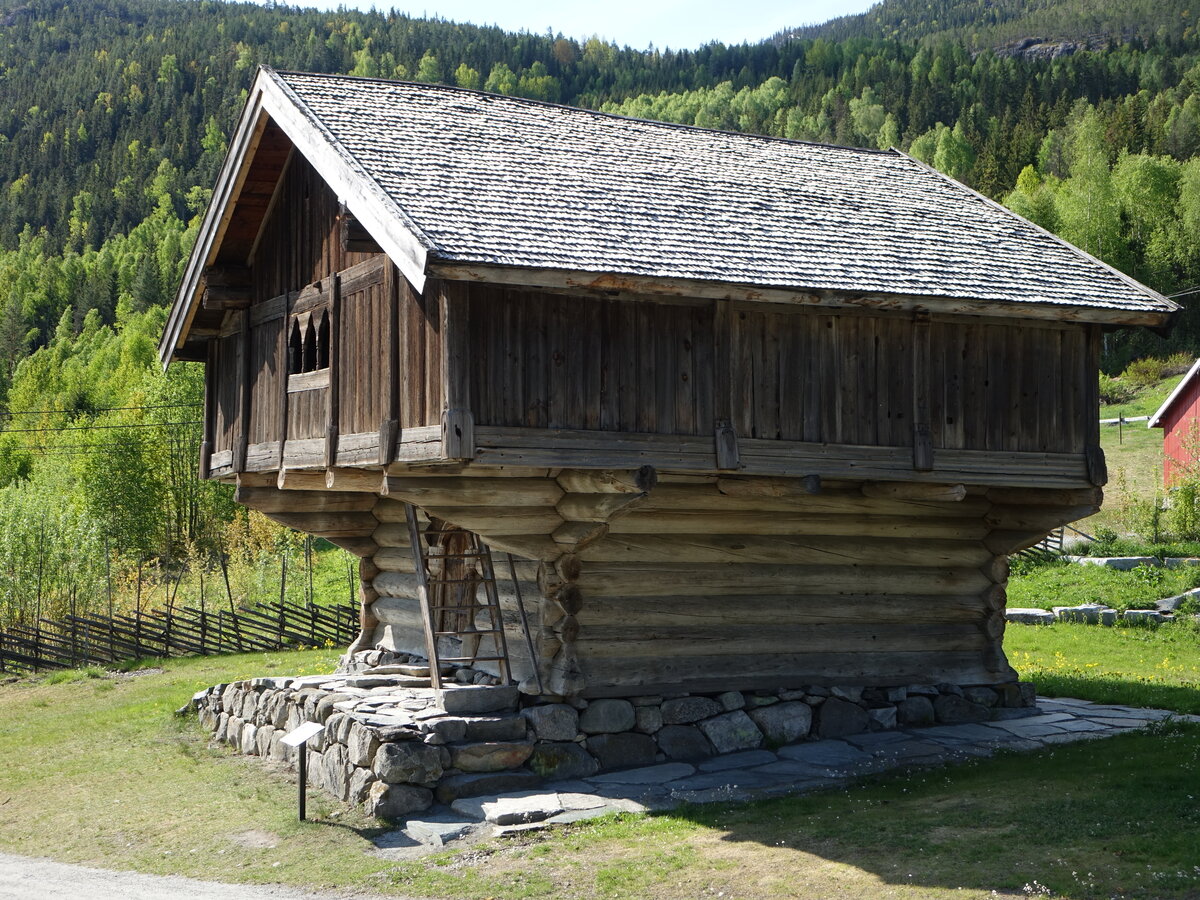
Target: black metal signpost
(299, 737)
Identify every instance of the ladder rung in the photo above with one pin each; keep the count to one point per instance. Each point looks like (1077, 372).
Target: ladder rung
(457, 580)
(473, 555)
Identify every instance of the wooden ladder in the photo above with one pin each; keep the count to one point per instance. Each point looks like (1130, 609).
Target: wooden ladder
(431, 613)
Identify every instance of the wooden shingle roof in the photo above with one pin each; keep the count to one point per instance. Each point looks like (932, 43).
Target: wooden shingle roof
(446, 178)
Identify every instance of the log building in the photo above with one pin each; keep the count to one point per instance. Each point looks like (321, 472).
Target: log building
(749, 412)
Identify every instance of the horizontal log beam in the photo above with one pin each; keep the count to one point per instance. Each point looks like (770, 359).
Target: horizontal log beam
(717, 548)
(698, 521)
(629, 579)
(460, 491)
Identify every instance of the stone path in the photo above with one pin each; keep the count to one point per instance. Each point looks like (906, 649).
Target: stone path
(754, 774)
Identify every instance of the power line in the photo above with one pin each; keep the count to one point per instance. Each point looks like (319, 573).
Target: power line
(43, 412)
(96, 427)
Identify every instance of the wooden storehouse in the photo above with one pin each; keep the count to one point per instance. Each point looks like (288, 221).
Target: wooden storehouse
(1179, 419)
(748, 412)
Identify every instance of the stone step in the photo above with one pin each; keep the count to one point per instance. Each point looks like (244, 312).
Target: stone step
(413, 671)
(476, 784)
(490, 756)
(473, 699)
(495, 728)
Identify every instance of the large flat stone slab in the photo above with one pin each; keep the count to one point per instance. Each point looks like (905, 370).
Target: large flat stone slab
(659, 774)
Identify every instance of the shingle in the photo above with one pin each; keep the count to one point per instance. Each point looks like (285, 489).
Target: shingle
(504, 181)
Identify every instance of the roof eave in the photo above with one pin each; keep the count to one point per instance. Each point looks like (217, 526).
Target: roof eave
(212, 227)
(270, 98)
(1155, 420)
(610, 283)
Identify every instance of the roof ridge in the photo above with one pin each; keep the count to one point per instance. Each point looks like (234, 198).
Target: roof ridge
(677, 126)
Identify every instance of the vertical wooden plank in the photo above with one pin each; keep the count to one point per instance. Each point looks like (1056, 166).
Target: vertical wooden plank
(647, 350)
(458, 432)
(1011, 389)
(1096, 465)
(284, 398)
(722, 363)
(702, 368)
(246, 353)
(432, 341)
(210, 412)
(560, 365)
(516, 345)
(608, 370)
(814, 376)
(922, 436)
(333, 392)
(389, 428)
(864, 382)
(662, 322)
(685, 372)
(767, 386)
(830, 375)
(590, 391)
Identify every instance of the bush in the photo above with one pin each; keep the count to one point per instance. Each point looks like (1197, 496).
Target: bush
(1144, 372)
(1114, 391)
(1178, 363)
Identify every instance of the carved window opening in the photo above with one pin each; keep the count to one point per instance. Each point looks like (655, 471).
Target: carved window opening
(323, 341)
(308, 350)
(295, 350)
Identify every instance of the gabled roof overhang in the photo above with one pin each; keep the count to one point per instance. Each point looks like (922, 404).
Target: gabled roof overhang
(272, 102)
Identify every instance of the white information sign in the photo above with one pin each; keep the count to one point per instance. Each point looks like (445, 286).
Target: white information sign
(298, 736)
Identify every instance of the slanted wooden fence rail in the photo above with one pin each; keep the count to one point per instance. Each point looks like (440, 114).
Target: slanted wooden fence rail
(93, 639)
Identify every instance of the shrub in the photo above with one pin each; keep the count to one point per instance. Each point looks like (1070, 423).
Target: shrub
(1145, 372)
(1113, 390)
(1178, 363)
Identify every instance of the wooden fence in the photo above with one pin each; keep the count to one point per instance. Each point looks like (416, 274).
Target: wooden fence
(91, 639)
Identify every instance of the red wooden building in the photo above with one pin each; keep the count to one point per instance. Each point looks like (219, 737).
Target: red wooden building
(1179, 418)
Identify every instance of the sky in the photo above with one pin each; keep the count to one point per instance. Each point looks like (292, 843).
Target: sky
(679, 24)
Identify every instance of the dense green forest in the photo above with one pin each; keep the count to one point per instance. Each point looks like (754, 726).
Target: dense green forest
(114, 118)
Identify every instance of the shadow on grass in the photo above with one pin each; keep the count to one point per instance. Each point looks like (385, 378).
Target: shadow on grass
(1123, 691)
(1117, 817)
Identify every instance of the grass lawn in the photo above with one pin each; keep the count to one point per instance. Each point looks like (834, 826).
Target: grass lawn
(1070, 584)
(98, 770)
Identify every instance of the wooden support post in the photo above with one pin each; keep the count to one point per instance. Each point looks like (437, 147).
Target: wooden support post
(1097, 468)
(333, 407)
(389, 428)
(922, 432)
(284, 352)
(458, 424)
(210, 410)
(725, 442)
(242, 445)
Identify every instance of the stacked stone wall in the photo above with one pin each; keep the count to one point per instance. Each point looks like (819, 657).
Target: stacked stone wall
(396, 749)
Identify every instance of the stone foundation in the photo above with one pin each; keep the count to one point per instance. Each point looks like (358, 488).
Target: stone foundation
(396, 746)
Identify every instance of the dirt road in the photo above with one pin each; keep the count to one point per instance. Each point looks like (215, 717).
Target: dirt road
(23, 878)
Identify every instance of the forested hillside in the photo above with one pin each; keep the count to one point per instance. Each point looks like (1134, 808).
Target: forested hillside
(997, 24)
(114, 118)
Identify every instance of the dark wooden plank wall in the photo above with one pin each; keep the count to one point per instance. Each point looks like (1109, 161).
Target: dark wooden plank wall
(300, 245)
(549, 361)
(300, 242)
(362, 354)
(228, 393)
(552, 361)
(268, 366)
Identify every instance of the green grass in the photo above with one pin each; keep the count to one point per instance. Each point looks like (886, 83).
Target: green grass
(1139, 666)
(98, 770)
(1070, 584)
(1145, 402)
